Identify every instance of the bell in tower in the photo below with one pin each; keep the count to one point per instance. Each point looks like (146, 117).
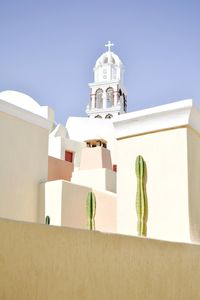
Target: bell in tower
(108, 96)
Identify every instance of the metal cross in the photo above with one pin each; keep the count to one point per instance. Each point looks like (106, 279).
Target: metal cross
(109, 45)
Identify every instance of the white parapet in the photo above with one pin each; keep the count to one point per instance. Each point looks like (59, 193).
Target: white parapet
(158, 118)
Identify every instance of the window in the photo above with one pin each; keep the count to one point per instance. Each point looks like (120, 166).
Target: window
(108, 116)
(110, 97)
(114, 168)
(104, 74)
(125, 103)
(113, 61)
(99, 98)
(105, 60)
(69, 156)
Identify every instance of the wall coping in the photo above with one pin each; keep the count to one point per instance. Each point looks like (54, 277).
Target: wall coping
(24, 115)
(176, 114)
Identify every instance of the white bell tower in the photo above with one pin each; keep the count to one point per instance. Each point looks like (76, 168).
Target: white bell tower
(108, 96)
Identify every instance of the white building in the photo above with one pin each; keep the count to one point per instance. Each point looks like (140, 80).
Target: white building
(48, 169)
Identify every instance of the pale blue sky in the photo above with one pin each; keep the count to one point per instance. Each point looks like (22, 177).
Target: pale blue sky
(48, 50)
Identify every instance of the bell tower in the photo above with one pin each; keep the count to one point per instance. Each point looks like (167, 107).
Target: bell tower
(108, 97)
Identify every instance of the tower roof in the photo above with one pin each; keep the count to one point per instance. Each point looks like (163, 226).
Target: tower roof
(108, 57)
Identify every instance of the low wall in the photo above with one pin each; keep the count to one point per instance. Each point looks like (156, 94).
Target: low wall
(100, 179)
(59, 169)
(47, 262)
(65, 203)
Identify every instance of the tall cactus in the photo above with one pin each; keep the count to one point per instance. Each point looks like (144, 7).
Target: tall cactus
(91, 210)
(141, 197)
(47, 220)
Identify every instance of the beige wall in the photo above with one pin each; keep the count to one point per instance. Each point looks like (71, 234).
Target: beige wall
(47, 262)
(106, 212)
(73, 212)
(23, 165)
(100, 179)
(194, 183)
(59, 169)
(51, 202)
(95, 158)
(165, 154)
(65, 203)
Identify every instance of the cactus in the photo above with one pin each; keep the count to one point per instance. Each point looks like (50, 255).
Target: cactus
(141, 197)
(47, 220)
(91, 210)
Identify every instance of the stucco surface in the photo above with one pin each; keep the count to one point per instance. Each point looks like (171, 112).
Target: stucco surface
(47, 262)
(95, 158)
(165, 154)
(59, 169)
(65, 203)
(100, 179)
(106, 211)
(194, 183)
(23, 165)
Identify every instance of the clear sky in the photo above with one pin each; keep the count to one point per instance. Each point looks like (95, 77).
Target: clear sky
(48, 50)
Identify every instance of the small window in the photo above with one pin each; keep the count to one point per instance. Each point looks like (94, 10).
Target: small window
(69, 156)
(109, 116)
(110, 97)
(99, 98)
(105, 60)
(114, 168)
(113, 61)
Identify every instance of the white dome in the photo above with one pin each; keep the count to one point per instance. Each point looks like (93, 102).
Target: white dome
(27, 103)
(21, 100)
(108, 68)
(104, 58)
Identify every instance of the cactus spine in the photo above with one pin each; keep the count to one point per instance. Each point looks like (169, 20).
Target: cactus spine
(141, 198)
(91, 210)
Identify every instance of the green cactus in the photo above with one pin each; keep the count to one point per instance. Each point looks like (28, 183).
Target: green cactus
(141, 197)
(47, 220)
(91, 210)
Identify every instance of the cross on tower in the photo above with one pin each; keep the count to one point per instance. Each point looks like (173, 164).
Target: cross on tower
(109, 45)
